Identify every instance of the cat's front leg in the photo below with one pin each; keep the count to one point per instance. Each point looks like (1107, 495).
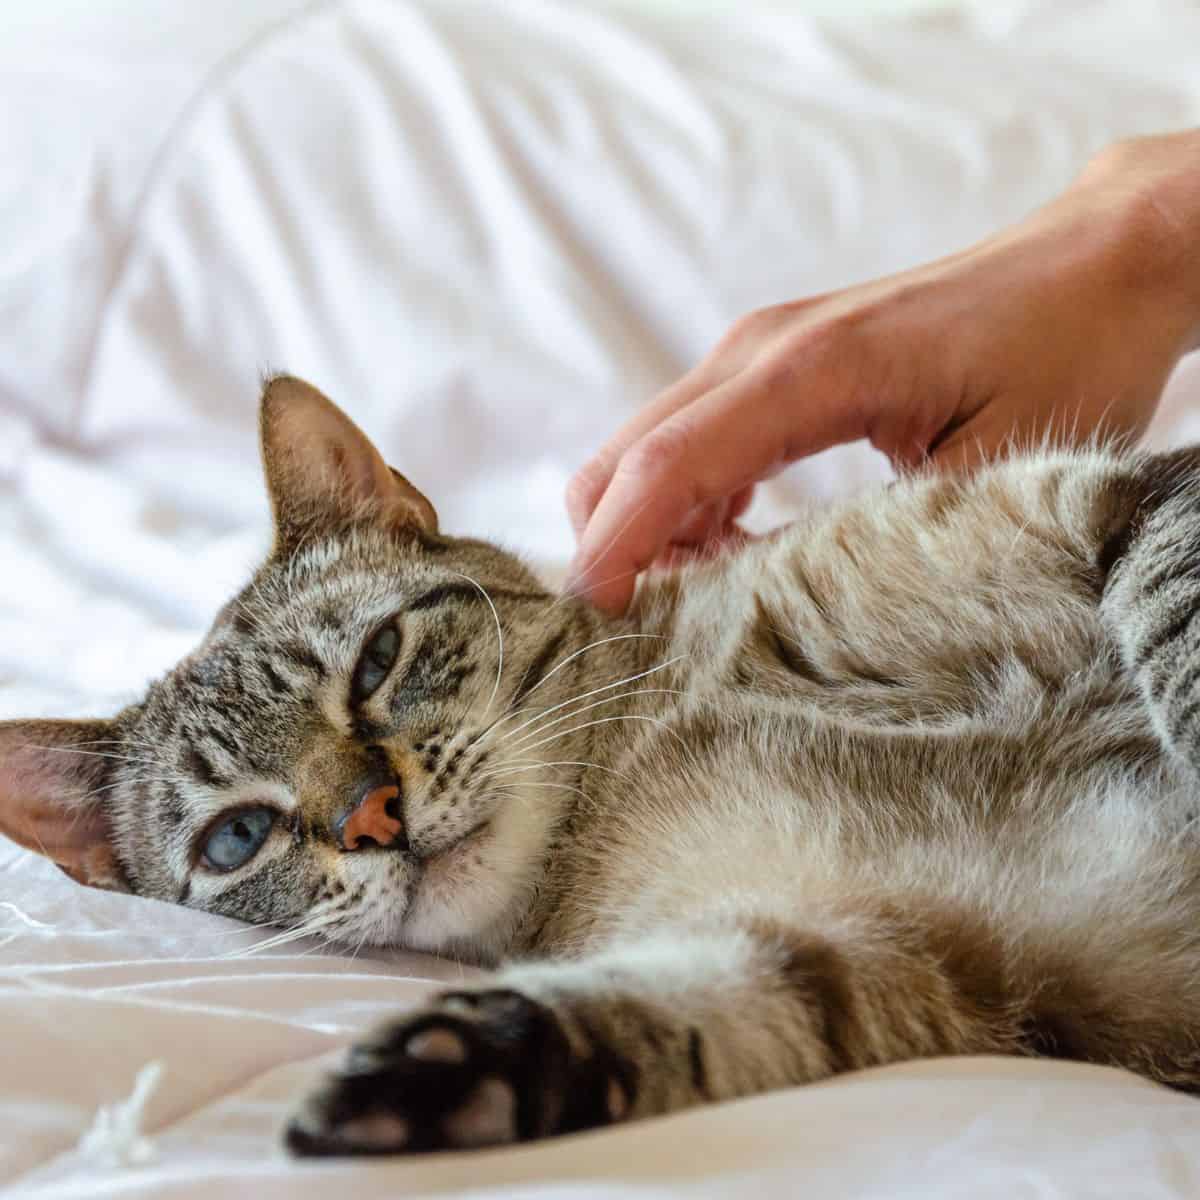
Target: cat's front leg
(681, 1018)
(544, 1048)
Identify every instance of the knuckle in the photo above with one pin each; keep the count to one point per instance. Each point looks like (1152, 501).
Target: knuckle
(1119, 156)
(586, 487)
(841, 338)
(783, 374)
(752, 326)
(658, 453)
(834, 333)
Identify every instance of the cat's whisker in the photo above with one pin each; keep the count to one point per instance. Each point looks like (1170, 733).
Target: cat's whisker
(568, 787)
(607, 721)
(362, 941)
(137, 743)
(508, 716)
(618, 637)
(605, 550)
(595, 704)
(145, 775)
(596, 583)
(130, 781)
(499, 637)
(88, 753)
(307, 928)
(37, 837)
(516, 794)
(292, 935)
(242, 931)
(587, 695)
(324, 942)
(516, 712)
(516, 765)
(510, 733)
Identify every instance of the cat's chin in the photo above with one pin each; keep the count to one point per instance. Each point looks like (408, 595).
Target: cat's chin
(451, 868)
(472, 893)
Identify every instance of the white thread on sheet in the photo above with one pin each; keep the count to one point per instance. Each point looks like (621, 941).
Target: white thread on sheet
(23, 916)
(116, 1136)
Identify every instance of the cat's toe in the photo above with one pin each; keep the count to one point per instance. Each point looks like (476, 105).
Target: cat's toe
(443, 1079)
(488, 1117)
(437, 1045)
(310, 1136)
(478, 1069)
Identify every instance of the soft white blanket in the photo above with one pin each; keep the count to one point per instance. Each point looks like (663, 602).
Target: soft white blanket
(490, 231)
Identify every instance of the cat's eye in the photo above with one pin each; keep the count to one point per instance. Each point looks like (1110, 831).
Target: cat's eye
(237, 839)
(378, 658)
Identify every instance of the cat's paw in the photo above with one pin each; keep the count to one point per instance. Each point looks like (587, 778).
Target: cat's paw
(476, 1069)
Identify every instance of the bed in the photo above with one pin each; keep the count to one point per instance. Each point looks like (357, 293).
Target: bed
(489, 231)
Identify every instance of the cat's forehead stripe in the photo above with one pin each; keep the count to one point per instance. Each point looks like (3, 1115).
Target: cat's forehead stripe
(303, 656)
(275, 681)
(223, 740)
(201, 766)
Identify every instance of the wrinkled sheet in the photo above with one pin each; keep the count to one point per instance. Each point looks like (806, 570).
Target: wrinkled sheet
(490, 231)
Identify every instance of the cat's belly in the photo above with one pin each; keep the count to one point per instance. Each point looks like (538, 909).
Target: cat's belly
(1041, 824)
(892, 614)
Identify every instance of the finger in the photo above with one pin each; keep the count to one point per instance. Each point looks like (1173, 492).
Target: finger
(740, 501)
(588, 484)
(720, 444)
(712, 519)
(992, 435)
(959, 455)
(702, 524)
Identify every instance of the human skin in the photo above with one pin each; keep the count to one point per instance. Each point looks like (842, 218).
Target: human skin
(1066, 326)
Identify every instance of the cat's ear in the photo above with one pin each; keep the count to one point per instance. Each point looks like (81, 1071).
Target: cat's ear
(50, 773)
(323, 471)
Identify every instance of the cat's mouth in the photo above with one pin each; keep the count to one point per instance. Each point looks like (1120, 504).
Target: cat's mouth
(456, 849)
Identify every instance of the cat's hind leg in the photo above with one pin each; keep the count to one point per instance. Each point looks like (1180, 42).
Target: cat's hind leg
(1151, 599)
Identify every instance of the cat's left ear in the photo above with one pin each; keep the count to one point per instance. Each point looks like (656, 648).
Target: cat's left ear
(52, 780)
(322, 470)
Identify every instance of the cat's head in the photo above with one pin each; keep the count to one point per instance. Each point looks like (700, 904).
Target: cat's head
(355, 744)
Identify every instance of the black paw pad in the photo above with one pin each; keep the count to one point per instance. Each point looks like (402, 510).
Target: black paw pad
(477, 1069)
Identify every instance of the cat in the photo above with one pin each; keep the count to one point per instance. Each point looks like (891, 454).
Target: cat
(913, 776)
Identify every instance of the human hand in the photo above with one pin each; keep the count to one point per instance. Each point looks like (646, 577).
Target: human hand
(1065, 326)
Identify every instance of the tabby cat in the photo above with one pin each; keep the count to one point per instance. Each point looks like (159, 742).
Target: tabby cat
(914, 776)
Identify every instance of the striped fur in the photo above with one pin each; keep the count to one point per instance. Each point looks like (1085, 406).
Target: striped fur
(914, 776)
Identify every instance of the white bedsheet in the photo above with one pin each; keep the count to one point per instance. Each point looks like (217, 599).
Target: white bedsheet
(490, 230)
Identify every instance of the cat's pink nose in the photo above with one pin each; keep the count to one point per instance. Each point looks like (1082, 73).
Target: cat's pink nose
(374, 820)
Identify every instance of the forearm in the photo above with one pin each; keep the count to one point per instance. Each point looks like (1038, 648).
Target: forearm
(1149, 188)
(1063, 328)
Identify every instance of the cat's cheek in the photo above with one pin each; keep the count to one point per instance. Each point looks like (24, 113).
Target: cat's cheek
(480, 886)
(457, 895)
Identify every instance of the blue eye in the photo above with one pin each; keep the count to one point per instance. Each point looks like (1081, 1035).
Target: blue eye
(237, 840)
(378, 658)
